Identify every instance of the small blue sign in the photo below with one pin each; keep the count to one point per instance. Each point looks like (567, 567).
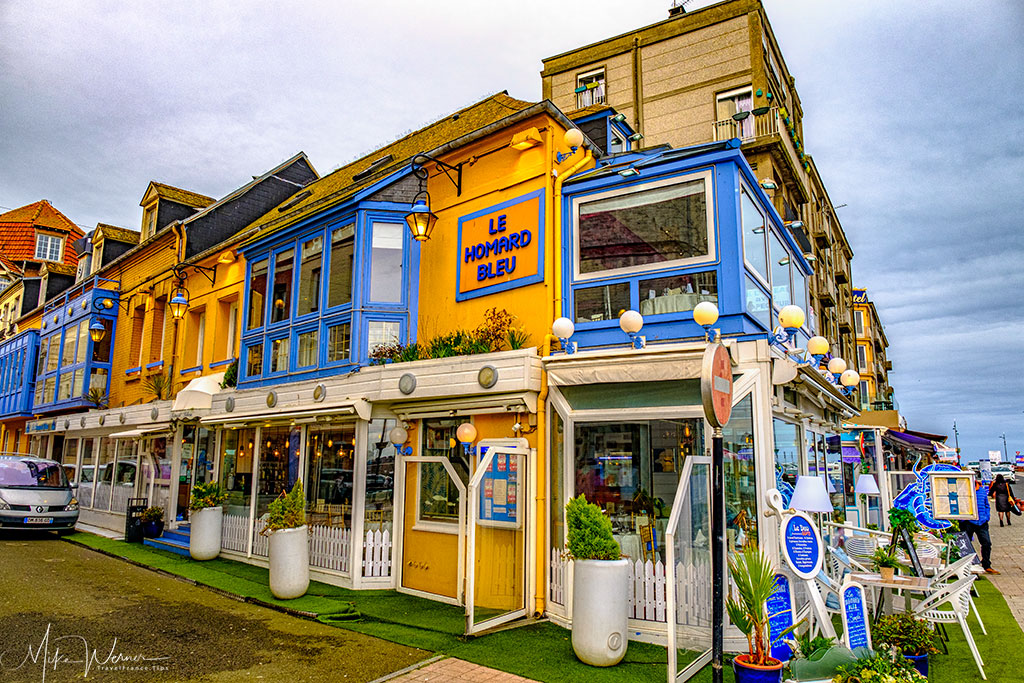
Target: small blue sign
(801, 544)
(499, 492)
(780, 617)
(855, 617)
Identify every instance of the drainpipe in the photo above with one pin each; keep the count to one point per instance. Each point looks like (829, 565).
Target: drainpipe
(552, 274)
(179, 251)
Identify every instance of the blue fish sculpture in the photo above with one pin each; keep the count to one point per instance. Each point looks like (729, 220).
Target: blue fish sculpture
(917, 496)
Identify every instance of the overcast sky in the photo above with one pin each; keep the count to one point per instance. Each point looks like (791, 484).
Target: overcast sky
(911, 115)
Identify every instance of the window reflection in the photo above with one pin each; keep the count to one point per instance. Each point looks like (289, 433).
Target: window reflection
(283, 265)
(439, 497)
(330, 454)
(740, 479)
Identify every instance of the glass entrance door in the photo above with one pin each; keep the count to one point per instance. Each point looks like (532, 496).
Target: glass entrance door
(496, 585)
(195, 464)
(688, 571)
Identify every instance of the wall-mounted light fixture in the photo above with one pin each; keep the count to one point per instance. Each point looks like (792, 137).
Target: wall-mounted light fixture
(629, 171)
(97, 331)
(421, 219)
(228, 256)
(705, 314)
(466, 434)
(768, 184)
(526, 139)
(564, 329)
(636, 137)
(619, 118)
(398, 438)
(631, 322)
(179, 302)
(796, 225)
(791, 319)
(573, 138)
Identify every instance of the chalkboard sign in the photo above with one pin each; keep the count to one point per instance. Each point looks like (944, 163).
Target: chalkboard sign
(962, 542)
(780, 617)
(908, 545)
(801, 545)
(499, 494)
(855, 617)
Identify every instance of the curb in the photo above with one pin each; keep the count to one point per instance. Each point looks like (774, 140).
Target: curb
(302, 614)
(409, 669)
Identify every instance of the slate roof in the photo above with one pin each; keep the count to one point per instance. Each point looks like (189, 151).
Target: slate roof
(176, 194)
(587, 111)
(342, 183)
(60, 268)
(18, 231)
(112, 232)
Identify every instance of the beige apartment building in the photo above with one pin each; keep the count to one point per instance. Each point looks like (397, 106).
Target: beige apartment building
(875, 392)
(713, 74)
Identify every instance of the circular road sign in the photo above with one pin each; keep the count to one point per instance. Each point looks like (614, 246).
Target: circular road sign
(716, 385)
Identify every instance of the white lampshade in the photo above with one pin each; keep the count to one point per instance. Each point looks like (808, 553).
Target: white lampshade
(563, 328)
(866, 484)
(466, 433)
(850, 378)
(817, 346)
(705, 313)
(398, 436)
(631, 322)
(810, 495)
(573, 137)
(837, 366)
(791, 316)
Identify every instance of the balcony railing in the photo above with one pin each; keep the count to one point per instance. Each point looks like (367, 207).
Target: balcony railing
(765, 125)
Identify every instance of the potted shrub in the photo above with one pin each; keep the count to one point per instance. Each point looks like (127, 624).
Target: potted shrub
(878, 667)
(914, 638)
(600, 586)
(754, 577)
(289, 544)
(152, 521)
(885, 563)
(207, 517)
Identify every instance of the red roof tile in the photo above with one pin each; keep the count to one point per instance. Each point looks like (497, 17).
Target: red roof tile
(18, 231)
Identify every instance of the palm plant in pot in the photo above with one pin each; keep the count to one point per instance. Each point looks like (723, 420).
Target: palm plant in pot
(885, 562)
(754, 577)
(152, 521)
(207, 518)
(914, 638)
(289, 544)
(600, 586)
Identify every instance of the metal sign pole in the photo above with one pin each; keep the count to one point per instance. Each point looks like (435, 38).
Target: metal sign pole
(716, 395)
(717, 555)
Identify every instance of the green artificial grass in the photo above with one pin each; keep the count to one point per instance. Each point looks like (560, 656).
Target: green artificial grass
(1000, 649)
(540, 651)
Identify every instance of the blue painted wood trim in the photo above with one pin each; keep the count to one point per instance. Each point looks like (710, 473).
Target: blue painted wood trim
(219, 363)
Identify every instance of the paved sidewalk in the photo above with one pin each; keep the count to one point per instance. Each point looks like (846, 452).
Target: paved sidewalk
(1008, 558)
(452, 669)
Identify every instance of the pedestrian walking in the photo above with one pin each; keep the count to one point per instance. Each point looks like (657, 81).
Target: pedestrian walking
(980, 527)
(1000, 489)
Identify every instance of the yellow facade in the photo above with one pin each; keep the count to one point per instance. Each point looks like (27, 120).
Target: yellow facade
(871, 361)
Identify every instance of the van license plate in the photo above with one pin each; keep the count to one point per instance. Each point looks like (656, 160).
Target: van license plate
(39, 520)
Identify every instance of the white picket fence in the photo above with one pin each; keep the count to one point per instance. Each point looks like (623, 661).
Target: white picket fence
(329, 547)
(260, 543)
(377, 554)
(234, 533)
(647, 590)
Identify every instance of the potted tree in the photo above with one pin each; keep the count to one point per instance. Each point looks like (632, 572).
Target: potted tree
(289, 544)
(885, 562)
(152, 521)
(600, 586)
(914, 638)
(207, 517)
(754, 577)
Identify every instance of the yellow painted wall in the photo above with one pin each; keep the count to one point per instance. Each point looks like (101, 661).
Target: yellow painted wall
(494, 174)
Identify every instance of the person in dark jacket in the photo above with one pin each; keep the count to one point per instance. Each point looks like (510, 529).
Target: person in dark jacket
(1001, 491)
(979, 526)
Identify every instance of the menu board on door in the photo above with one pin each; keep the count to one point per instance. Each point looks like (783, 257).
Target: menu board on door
(501, 490)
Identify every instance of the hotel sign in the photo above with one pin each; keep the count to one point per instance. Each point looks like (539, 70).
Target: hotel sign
(501, 247)
(860, 296)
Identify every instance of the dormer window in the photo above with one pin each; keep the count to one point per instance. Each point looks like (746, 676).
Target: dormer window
(590, 88)
(149, 222)
(48, 248)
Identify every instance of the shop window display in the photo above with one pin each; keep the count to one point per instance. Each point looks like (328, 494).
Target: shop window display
(787, 451)
(439, 497)
(740, 477)
(379, 506)
(631, 470)
(237, 448)
(330, 457)
(279, 464)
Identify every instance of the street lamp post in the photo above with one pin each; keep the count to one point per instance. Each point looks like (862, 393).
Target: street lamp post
(956, 440)
(1006, 455)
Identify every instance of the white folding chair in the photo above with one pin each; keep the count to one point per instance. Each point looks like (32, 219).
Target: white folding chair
(860, 547)
(957, 595)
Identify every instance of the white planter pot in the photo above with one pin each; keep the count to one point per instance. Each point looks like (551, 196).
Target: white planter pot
(204, 538)
(289, 562)
(600, 608)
